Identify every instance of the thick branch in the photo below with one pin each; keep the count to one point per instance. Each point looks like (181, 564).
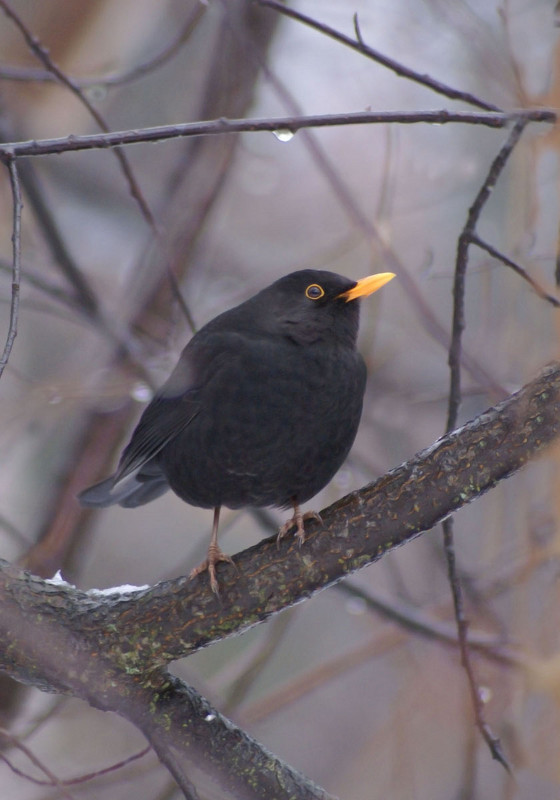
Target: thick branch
(136, 632)
(111, 650)
(188, 734)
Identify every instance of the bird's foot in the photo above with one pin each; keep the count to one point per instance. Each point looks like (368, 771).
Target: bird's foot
(215, 555)
(297, 522)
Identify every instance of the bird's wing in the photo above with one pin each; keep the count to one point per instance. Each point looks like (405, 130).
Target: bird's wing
(174, 406)
(177, 403)
(161, 421)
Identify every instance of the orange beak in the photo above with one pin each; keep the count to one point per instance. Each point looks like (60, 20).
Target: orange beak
(367, 285)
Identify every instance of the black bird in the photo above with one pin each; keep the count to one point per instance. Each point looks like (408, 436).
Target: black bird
(261, 409)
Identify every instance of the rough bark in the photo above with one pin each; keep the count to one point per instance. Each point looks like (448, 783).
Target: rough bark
(112, 650)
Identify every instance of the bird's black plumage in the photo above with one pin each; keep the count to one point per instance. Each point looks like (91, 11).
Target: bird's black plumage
(262, 407)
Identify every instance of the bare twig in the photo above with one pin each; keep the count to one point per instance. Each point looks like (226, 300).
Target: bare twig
(50, 290)
(370, 231)
(258, 660)
(359, 45)
(410, 619)
(83, 292)
(83, 296)
(358, 30)
(461, 267)
(13, 741)
(492, 741)
(170, 758)
(544, 295)
(464, 241)
(421, 623)
(293, 690)
(10, 161)
(101, 141)
(43, 55)
(71, 781)
(82, 299)
(30, 74)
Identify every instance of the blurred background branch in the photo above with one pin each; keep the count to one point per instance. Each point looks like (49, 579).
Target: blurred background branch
(104, 309)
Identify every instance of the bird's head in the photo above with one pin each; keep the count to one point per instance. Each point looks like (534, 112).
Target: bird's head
(314, 305)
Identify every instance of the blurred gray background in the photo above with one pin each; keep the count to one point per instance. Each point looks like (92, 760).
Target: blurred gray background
(367, 708)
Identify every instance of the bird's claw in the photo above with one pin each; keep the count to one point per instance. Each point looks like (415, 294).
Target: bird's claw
(298, 521)
(215, 555)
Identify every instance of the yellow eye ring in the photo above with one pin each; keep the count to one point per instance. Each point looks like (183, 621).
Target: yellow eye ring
(314, 292)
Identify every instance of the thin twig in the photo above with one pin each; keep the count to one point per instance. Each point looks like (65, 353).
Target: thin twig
(73, 781)
(50, 290)
(101, 141)
(16, 264)
(492, 741)
(38, 49)
(407, 618)
(544, 295)
(423, 624)
(369, 229)
(258, 660)
(461, 267)
(465, 239)
(43, 212)
(82, 300)
(13, 741)
(31, 74)
(84, 296)
(303, 684)
(357, 30)
(359, 45)
(43, 55)
(170, 758)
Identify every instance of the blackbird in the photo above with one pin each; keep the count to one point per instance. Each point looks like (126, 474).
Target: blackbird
(261, 409)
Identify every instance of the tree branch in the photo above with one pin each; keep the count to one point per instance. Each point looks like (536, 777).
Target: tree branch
(111, 649)
(517, 268)
(42, 147)
(359, 45)
(137, 72)
(10, 162)
(454, 360)
(43, 55)
(140, 631)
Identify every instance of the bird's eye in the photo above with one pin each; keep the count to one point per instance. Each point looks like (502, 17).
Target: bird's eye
(314, 292)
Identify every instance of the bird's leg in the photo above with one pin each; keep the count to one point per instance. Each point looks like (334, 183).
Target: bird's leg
(297, 521)
(215, 555)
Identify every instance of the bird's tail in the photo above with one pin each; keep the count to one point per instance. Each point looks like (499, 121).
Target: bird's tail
(128, 493)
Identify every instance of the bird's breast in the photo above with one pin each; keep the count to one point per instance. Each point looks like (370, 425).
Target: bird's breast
(276, 421)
